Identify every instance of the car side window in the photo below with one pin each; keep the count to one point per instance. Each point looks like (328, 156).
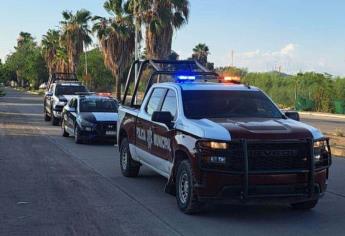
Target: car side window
(70, 104)
(155, 100)
(170, 103)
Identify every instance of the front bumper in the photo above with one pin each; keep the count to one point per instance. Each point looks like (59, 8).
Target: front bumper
(247, 183)
(99, 131)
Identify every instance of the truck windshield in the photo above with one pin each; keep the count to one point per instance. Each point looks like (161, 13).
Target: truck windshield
(199, 104)
(97, 105)
(69, 90)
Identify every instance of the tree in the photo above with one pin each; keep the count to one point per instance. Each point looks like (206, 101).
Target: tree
(75, 34)
(161, 18)
(50, 48)
(27, 62)
(200, 53)
(101, 78)
(116, 36)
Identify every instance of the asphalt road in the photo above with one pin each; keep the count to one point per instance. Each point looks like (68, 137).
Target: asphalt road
(326, 124)
(51, 186)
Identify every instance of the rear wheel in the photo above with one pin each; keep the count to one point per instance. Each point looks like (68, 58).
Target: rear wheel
(304, 205)
(129, 167)
(185, 194)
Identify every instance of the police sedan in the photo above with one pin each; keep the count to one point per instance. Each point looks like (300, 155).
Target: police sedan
(90, 117)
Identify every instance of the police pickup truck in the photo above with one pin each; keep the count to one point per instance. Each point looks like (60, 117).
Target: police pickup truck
(61, 89)
(217, 142)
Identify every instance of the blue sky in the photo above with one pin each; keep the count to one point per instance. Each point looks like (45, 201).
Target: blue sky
(294, 35)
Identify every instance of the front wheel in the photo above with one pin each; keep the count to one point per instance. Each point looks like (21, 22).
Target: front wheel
(129, 167)
(46, 117)
(55, 121)
(185, 194)
(77, 137)
(304, 205)
(64, 133)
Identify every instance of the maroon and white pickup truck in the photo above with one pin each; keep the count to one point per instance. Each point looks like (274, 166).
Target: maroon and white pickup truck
(217, 142)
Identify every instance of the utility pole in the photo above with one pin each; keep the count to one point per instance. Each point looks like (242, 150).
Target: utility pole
(85, 55)
(136, 36)
(232, 58)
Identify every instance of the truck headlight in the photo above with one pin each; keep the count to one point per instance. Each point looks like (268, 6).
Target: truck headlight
(213, 145)
(319, 148)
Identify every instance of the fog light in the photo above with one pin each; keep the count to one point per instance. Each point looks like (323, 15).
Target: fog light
(218, 160)
(88, 129)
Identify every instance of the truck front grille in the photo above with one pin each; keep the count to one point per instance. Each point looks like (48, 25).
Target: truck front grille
(262, 156)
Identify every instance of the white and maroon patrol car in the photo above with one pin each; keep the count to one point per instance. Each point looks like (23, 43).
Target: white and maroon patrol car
(217, 142)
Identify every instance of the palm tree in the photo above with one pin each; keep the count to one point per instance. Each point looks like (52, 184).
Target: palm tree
(50, 46)
(200, 53)
(161, 18)
(116, 37)
(76, 34)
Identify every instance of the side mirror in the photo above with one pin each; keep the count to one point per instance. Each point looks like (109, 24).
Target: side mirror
(49, 94)
(164, 117)
(292, 115)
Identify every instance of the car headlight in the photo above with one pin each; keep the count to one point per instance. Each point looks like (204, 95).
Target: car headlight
(87, 125)
(213, 145)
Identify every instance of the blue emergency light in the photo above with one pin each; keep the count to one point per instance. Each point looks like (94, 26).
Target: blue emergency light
(185, 78)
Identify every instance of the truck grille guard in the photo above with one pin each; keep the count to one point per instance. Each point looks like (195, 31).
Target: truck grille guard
(310, 168)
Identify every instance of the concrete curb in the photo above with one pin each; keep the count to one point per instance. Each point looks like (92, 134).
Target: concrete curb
(322, 114)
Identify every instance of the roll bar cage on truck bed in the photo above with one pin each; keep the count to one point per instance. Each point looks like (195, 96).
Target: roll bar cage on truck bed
(163, 67)
(63, 77)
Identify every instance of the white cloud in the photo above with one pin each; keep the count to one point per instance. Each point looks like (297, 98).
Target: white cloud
(288, 49)
(250, 54)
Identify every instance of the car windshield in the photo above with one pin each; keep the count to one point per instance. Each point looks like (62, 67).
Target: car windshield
(69, 89)
(199, 104)
(98, 105)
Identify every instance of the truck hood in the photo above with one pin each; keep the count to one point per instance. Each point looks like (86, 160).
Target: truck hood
(251, 128)
(66, 97)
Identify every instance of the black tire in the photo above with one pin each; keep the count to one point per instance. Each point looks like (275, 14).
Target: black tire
(77, 137)
(129, 167)
(308, 205)
(64, 133)
(46, 117)
(55, 121)
(186, 197)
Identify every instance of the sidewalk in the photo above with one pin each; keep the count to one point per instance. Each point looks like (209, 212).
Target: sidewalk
(322, 114)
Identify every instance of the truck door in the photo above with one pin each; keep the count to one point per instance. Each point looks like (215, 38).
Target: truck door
(157, 146)
(145, 129)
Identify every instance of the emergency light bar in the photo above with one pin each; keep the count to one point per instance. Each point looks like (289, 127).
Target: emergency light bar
(185, 78)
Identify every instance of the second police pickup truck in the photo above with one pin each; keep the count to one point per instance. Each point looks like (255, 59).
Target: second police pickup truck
(217, 142)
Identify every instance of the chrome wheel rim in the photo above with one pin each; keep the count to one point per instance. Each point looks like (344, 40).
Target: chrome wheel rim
(124, 159)
(184, 188)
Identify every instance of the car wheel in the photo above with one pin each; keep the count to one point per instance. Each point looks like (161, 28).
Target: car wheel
(304, 205)
(77, 137)
(129, 167)
(64, 133)
(185, 194)
(55, 121)
(46, 117)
